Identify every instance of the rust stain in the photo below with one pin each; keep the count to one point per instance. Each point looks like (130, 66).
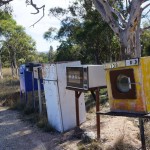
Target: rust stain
(141, 104)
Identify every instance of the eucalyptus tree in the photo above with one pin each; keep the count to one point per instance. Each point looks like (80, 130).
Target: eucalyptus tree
(125, 22)
(83, 34)
(16, 43)
(18, 46)
(4, 14)
(1, 73)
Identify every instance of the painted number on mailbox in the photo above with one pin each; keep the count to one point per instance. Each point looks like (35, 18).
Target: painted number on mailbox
(132, 62)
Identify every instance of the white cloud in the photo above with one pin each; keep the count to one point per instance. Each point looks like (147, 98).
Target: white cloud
(22, 14)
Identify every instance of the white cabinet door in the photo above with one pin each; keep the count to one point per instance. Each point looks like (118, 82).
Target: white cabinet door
(49, 72)
(67, 98)
(53, 104)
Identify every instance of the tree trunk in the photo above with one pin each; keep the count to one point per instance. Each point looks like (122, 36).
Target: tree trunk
(128, 30)
(130, 43)
(14, 67)
(1, 73)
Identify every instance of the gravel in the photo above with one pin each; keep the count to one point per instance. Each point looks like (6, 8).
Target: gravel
(18, 135)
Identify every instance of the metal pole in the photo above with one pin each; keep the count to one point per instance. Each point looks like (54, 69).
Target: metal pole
(141, 124)
(33, 90)
(77, 108)
(97, 115)
(21, 96)
(39, 94)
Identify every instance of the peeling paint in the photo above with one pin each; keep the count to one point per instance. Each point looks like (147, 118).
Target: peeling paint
(142, 81)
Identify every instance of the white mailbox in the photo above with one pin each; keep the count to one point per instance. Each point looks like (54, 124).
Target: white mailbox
(60, 102)
(86, 76)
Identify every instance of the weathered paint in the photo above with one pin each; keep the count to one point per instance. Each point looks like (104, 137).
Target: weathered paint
(142, 79)
(145, 67)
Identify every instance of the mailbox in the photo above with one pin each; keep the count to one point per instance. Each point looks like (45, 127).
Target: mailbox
(37, 71)
(128, 84)
(30, 66)
(27, 82)
(60, 101)
(86, 76)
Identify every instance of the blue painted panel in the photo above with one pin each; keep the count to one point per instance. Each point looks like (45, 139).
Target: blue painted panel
(26, 80)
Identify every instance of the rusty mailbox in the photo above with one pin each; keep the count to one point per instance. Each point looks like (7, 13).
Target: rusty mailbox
(128, 84)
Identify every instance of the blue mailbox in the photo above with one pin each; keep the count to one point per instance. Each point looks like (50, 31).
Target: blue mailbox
(27, 82)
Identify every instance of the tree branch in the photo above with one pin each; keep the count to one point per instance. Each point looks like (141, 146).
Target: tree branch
(100, 8)
(120, 16)
(40, 18)
(146, 14)
(135, 11)
(145, 6)
(37, 10)
(146, 28)
(104, 9)
(4, 2)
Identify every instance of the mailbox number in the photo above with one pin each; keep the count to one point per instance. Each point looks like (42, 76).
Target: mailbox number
(113, 65)
(132, 62)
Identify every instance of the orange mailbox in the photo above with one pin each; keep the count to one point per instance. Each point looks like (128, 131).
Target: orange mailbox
(128, 84)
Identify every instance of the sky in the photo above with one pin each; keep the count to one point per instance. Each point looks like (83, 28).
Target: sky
(22, 14)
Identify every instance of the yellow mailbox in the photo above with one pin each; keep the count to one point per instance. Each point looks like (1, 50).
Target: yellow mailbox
(128, 84)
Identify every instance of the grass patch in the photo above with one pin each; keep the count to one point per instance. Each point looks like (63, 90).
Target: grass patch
(90, 146)
(121, 145)
(44, 125)
(9, 89)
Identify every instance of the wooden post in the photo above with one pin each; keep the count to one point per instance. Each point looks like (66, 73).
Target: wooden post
(39, 94)
(141, 125)
(97, 115)
(77, 95)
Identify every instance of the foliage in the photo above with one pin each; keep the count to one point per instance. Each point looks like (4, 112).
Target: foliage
(17, 46)
(83, 35)
(46, 57)
(145, 38)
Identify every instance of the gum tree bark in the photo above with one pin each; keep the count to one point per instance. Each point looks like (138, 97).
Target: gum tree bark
(1, 74)
(125, 25)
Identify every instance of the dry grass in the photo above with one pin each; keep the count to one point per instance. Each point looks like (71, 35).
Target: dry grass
(9, 87)
(10, 96)
(147, 134)
(121, 145)
(90, 146)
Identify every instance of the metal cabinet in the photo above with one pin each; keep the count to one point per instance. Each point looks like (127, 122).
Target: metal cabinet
(60, 102)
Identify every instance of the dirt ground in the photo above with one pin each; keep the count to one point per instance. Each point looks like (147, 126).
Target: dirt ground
(19, 135)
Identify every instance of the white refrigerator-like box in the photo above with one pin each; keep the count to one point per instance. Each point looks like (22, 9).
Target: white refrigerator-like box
(60, 102)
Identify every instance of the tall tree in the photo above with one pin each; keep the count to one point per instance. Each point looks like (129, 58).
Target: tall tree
(125, 22)
(4, 14)
(1, 73)
(16, 43)
(83, 34)
(51, 55)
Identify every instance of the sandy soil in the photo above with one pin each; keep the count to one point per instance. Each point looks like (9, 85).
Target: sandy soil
(19, 135)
